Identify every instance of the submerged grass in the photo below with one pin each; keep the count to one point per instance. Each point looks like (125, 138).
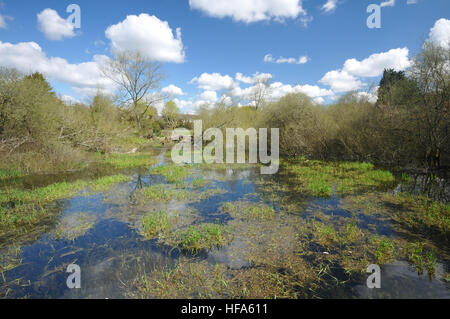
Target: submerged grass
(248, 210)
(74, 226)
(422, 257)
(124, 161)
(157, 223)
(172, 173)
(201, 237)
(20, 210)
(318, 177)
(167, 193)
(59, 190)
(420, 214)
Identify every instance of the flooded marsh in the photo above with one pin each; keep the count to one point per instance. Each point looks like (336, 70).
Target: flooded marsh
(146, 228)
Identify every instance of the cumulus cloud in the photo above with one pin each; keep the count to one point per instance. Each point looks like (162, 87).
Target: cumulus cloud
(149, 35)
(210, 96)
(375, 64)
(213, 82)
(53, 26)
(268, 58)
(28, 57)
(244, 79)
(347, 78)
(173, 90)
(249, 11)
(330, 6)
(277, 90)
(69, 100)
(440, 33)
(3, 23)
(341, 81)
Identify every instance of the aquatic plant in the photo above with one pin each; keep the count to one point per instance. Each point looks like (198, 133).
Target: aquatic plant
(204, 236)
(157, 223)
(123, 161)
(74, 226)
(173, 173)
(248, 210)
(422, 258)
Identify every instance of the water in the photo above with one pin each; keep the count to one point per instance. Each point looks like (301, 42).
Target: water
(112, 252)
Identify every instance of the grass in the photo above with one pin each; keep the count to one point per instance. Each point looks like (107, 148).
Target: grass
(59, 190)
(199, 182)
(74, 226)
(167, 193)
(124, 161)
(104, 183)
(172, 173)
(422, 258)
(420, 214)
(204, 236)
(384, 250)
(157, 223)
(9, 173)
(164, 193)
(317, 178)
(248, 211)
(28, 207)
(9, 260)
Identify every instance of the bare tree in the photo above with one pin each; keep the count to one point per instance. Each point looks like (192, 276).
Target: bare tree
(260, 91)
(138, 79)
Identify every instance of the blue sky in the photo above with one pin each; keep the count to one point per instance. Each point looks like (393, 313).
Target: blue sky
(216, 40)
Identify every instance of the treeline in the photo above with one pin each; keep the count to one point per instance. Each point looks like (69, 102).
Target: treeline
(408, 126)
(39, 132)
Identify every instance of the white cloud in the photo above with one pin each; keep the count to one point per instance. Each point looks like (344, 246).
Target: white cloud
(279, 90)
(213, 82)
(249, 11)
(440, 33)
(372, 96)
(244, 79)
(389, 3)
(268, 58)
(3, 23)
(330, 6)
(341, 81)
(69, 100)
(319, 100)
(375, 64)
(149, 35)
(53, 26)
(262, 77)
(210, 96)
(173, 90)
(28, 57)
(347, 78)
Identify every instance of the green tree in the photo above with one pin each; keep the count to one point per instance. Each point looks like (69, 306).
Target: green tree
(171, 114)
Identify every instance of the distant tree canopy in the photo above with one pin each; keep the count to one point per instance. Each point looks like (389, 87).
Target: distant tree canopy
(408, 125)
(171, 114)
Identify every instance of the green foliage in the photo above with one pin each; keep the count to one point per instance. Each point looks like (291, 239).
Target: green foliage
(204, 236)
(249, 211)
(173, 173)
(157, 223)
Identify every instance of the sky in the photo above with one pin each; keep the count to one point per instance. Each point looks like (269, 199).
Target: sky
(216, 50)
